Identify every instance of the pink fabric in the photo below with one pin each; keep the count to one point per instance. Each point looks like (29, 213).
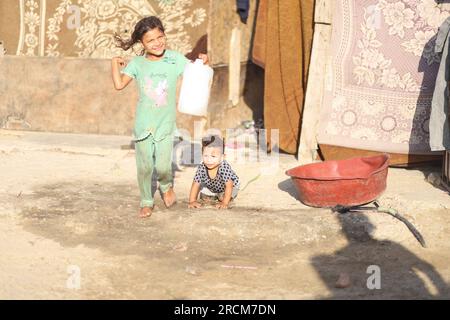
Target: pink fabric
(380, 84)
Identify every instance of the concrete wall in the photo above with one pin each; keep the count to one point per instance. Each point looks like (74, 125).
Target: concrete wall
(250, 107)
(77, 96)
(62, 95)
(222, 19)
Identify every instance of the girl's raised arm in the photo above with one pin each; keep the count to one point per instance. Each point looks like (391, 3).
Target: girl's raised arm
(120, 80)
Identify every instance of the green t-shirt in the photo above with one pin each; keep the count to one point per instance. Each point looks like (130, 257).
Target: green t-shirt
(157, 82)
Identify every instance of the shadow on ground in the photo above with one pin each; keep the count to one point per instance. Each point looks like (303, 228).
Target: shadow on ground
(105, 217)
(243, 252)
(372, 269)
(288, 186)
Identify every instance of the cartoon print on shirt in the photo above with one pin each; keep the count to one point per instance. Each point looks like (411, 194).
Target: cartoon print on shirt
(158, 94)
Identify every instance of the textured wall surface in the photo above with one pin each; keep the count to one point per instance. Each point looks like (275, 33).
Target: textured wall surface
(63, 95)
(77, 95)
(223, 18)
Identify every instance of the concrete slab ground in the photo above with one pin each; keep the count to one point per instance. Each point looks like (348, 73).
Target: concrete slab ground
(69, 230)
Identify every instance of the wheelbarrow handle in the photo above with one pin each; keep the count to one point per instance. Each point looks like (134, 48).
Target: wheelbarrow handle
(394, 213)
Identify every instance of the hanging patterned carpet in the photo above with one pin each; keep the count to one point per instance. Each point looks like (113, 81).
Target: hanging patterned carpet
(379, 89)
(85, 28)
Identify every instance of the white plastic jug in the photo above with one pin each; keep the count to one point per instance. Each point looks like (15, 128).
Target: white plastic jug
(195, 88)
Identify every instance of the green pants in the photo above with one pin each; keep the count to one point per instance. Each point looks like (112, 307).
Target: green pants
(151, 154)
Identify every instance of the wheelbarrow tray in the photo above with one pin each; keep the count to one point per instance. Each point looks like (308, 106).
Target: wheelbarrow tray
(350, 182)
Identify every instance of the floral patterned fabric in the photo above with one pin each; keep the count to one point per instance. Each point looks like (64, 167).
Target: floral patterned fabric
(85, 28)
(380, 84)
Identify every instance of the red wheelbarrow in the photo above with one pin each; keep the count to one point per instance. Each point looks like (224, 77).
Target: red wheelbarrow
(348, 182)
(346, 185)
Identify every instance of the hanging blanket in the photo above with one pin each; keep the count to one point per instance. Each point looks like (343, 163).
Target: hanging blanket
(288, 40)
(380, 85)
(85, 28)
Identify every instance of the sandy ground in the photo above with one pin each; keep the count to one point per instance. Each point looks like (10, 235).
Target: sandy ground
(69, 230)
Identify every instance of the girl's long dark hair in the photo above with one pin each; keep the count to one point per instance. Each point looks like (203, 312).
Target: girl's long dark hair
(144, 25)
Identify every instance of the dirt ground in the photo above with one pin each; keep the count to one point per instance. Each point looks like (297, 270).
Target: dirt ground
(69, 230)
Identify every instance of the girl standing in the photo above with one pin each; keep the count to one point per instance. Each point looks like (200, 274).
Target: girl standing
(156, 72)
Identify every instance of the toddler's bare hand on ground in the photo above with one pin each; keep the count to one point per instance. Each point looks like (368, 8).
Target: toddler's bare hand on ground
(194, 205)
(222, 205)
